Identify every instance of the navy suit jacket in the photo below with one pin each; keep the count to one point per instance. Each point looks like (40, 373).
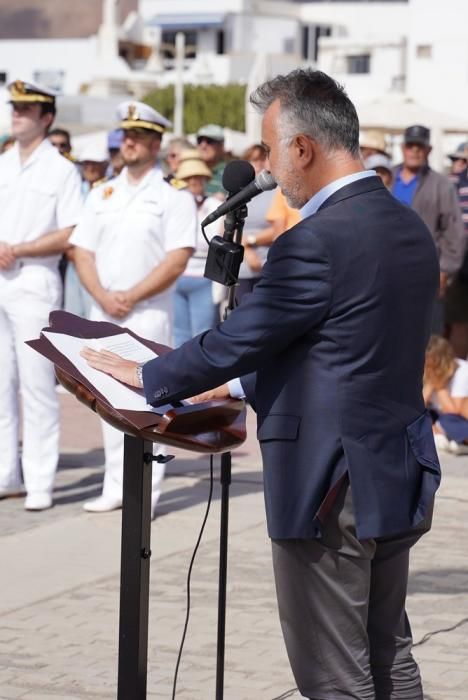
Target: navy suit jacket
(335, 333)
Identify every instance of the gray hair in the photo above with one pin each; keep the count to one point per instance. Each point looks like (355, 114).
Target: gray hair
(314, 104)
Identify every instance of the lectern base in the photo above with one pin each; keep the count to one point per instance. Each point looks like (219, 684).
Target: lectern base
(135, 569)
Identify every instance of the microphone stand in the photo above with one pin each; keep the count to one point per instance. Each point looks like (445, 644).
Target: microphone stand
(233, 228)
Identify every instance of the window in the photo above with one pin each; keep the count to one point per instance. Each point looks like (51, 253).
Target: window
(220, 42)
(3, 78)
(358, 64)
(168, 44)
(424, 51)
(289, 45)
(310, 40)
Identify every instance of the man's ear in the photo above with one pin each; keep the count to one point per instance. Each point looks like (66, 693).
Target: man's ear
(304, 149)
(47, 120)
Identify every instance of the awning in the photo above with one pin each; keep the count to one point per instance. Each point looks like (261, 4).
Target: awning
(199, 20)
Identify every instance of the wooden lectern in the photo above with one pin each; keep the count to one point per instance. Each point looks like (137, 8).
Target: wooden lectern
(211, 427)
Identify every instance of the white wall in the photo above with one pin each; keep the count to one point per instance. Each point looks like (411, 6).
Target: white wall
(440, 81)
(150, 8)
(356, 18)
(76, 57)
(260, 34)
(386, 64)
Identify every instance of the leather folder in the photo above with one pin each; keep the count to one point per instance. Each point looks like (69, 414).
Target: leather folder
(210, 427)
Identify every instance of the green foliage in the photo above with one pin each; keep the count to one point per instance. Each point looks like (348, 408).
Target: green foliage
(203, 104)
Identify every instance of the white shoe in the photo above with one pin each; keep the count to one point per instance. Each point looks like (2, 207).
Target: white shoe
(441, 442)
(12, 491)
(102, 504)
(41, 500)
(457, 448)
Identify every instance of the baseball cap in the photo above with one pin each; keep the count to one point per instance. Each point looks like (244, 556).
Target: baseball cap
(378, 161)
(461, 152)
(211, 131)
(417, 134)
(114, 139)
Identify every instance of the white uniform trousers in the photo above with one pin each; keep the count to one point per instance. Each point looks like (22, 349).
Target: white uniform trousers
(27, 296)
(154, 324)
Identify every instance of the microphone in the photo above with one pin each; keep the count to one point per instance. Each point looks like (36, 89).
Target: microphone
(263, 182)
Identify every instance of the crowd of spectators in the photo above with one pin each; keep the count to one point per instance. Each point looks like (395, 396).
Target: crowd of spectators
(195, 166)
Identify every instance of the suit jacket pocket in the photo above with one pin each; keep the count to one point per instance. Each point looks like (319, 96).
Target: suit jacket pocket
(278, 426)
(421, 440)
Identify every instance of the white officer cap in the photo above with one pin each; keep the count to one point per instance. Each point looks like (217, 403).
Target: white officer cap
(94, 153)
(138, 115)
(22, 91)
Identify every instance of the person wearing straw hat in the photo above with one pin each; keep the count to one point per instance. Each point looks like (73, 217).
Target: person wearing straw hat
(194, 307)
(132, 243)
(40, 203)
(373, 143)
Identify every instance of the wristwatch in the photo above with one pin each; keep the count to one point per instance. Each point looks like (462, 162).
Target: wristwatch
(139, 373)
(251, 240)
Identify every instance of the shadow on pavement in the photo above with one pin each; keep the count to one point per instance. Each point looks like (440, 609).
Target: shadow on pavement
(448, 581)
(175, 499)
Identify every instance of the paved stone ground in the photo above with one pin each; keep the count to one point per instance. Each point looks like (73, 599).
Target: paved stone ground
(59, 583)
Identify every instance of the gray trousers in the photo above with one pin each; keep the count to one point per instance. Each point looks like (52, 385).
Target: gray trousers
(342, 609)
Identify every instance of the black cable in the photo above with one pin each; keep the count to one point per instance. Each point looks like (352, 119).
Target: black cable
(423, 640)
(287, 694)
(189, 576)
(204, 235)
(427, 636)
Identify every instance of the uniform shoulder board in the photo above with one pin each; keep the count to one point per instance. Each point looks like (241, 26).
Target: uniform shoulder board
(99, 182)
(174, 182)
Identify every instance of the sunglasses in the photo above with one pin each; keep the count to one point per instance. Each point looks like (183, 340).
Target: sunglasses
(206, 139)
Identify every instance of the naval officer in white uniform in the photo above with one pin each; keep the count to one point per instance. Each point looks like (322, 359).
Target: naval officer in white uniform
(40, 202)
(133, 242)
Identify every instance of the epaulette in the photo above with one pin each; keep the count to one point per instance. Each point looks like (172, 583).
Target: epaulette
(99, 182)
(174, 182)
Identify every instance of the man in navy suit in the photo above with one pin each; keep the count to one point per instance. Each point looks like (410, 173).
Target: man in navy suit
(330, 351)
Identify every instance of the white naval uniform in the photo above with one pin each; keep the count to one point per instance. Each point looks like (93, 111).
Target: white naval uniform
(130, 230)
(37, 197)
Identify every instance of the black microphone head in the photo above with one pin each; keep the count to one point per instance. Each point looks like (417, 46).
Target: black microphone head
(237, 175)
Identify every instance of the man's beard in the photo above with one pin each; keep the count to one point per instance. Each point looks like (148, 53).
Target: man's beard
(289, 184)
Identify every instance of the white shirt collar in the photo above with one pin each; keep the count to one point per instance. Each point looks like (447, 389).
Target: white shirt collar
(315, 202)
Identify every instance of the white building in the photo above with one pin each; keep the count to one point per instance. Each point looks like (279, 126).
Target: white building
(415, 48)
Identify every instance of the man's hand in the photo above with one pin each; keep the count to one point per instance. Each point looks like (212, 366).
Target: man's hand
(7, 257)
(115, 304)
(110, 363)
(221, 392)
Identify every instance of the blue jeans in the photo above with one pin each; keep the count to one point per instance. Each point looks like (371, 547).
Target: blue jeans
(194, 308)
(77, 300)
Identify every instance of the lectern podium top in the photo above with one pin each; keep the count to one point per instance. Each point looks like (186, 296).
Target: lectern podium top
(210, 427)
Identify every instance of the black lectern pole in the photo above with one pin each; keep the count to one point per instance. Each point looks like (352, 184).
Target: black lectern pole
(135, 569)
(223, 559)
(233, 225)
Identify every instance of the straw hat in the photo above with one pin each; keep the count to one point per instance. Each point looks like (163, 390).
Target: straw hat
(374, 139)
(191, 167)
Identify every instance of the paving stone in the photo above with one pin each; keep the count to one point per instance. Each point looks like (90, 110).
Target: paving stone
(59, 640)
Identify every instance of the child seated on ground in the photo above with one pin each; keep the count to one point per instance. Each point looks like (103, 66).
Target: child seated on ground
(445, 392)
